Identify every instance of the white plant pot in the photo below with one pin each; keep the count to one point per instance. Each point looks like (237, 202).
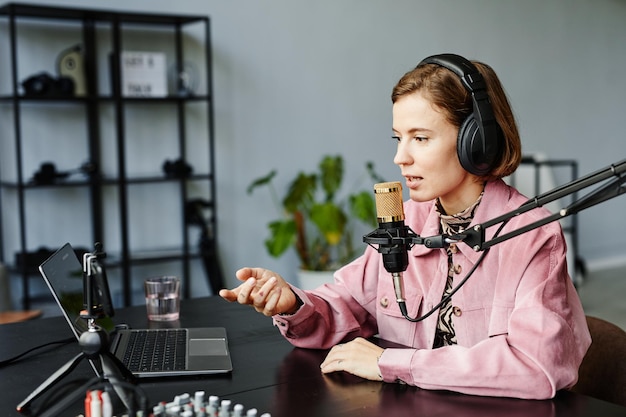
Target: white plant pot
(310, 280)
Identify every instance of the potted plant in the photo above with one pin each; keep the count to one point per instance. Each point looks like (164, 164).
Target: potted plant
(315, 218)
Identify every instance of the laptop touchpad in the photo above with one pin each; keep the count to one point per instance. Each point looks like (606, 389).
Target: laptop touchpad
(203, 347)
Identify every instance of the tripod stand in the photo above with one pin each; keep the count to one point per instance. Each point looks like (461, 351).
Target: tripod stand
(93, 342)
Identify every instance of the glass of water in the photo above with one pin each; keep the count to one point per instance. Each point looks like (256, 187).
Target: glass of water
(162, 298)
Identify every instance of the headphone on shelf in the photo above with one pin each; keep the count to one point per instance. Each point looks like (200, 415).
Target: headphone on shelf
(48, 173)
(480, 139)
(45, 85)
(177, 169)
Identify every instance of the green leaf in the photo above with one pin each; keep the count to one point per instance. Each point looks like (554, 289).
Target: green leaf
(369, 166)
(363, 207)
(330, 220)
(331, 169)
(301, 193)
(261, 181)
(283, 236)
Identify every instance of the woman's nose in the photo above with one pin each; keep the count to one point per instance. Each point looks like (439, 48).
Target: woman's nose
(402, 156)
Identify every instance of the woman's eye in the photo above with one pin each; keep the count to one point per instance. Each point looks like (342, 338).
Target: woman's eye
(417, 138)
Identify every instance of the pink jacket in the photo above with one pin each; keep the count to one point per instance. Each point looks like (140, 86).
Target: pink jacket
(520, 326)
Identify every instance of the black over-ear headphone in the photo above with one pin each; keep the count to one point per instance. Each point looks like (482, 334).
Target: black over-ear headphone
(480, 138)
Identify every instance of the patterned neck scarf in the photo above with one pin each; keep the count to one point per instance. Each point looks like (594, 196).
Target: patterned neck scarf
(456, 223)
(451, 224)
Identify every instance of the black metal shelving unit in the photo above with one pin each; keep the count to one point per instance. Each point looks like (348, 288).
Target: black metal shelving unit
(92, 25)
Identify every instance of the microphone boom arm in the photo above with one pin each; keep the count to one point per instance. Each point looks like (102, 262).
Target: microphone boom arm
(475, 236)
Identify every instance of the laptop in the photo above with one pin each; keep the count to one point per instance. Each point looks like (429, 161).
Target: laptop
(192, 351)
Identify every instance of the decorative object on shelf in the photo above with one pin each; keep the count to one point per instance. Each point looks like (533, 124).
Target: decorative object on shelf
(177, 169)
(316, 220)
(48, 174)
(143, 74)
(70, 81)
(183, 82)
(45, 85)
(70, 64)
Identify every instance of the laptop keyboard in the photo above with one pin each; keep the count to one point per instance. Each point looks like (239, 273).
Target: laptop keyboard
(156, 350)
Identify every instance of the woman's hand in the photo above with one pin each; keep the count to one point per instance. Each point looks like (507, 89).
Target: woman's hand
(358, 357)
(263, 289)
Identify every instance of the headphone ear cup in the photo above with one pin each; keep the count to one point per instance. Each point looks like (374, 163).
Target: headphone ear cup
(468, 147)
(477, 155)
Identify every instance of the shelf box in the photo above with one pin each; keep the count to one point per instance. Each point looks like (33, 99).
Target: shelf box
(143, 74)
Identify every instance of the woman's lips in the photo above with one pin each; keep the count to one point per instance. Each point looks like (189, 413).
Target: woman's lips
(412, 182)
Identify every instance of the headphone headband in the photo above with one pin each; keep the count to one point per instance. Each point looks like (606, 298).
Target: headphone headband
(468, 73)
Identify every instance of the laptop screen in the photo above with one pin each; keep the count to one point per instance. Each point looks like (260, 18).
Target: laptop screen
(63, 274)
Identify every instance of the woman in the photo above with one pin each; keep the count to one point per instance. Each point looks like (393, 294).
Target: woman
(516, 328)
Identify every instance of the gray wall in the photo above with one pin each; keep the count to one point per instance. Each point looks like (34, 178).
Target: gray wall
(295, 80)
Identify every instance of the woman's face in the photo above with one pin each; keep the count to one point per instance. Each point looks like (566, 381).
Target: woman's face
(427, 155)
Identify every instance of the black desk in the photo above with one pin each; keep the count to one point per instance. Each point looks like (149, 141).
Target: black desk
(269, 374)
